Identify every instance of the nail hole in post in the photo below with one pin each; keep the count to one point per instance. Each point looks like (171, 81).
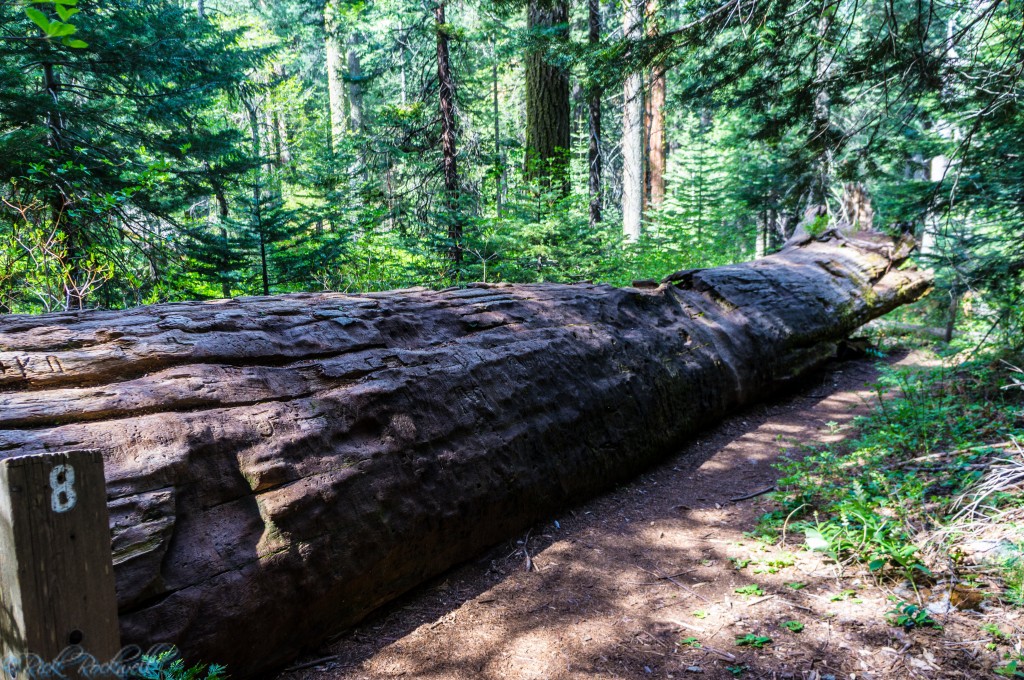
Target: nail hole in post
(76, 637)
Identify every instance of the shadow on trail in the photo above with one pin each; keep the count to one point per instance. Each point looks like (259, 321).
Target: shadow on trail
(613, 583)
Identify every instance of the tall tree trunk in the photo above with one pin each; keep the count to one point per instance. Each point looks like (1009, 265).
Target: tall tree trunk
(335, 83)
(257, 193)
(761, 238)
(73, 294)
(656, 158)
(499, 157)
(633, 132)
(547, 95)
(403, 58)
(283, 150)
(702, 131)
(655, 119)
(446, 94)
(355, 84)
(218, 220)
(594, 185)
(820, 181)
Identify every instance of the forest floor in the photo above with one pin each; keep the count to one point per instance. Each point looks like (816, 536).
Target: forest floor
(660, 579)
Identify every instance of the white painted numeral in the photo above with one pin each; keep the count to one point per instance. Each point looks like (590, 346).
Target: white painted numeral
(62, 485)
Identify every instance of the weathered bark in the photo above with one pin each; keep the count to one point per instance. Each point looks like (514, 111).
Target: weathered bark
(499, 156)
(355, 83)
(278, 467)
(446, 97)
(656, 159)
(633, 132)
(256, 213)
(594, 184)
(655, 122)
(547, 95)
(335, 83)
(856, 206)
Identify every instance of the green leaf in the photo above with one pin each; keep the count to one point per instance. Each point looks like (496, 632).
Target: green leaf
(815, 541)
(69, 3)
(38, 18)
(59, 30)
(875, 565)
(74, 43)
(64, 13)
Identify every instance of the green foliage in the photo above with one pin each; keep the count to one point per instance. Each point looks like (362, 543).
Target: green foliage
(751, 640)
(752, 590)
(793, 626)
(1014, 668)
(907, 615)
(100, 161)
(860, 502)
(167, 666)
(1012, 571)
(843, 595)
(148, 126)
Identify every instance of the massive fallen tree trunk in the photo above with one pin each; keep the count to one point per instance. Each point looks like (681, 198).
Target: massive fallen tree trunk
(277, 467)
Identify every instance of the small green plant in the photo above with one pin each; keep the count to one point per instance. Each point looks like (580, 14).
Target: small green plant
(793, 626)
(739, 562)
(167, 666)
(752, 590)
(755, 641)
(1012, 668)
(796, 585)
(738, 670)
(819, 226)
(995, 632)
(1012, 571)
(773, 566)
(700, 614)
(907, 616)
(690, 642)
(843, 595)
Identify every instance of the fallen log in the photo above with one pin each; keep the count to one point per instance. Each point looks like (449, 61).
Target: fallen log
(277, 467)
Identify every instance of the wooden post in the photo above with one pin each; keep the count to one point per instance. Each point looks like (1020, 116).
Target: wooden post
(56, 574)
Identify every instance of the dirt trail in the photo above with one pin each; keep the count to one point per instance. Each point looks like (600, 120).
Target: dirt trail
(617, 585)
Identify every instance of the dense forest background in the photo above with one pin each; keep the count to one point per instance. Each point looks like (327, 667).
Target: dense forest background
(157, 150)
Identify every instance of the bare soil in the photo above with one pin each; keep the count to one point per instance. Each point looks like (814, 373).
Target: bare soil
(628, 584)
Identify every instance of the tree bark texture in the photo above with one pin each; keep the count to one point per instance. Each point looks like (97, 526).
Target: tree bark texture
(335, 81)
(656, 160)
(547, 94)
(655, 122)
(446, 95)
(633, 132)
(594, 184)
(355, 83)
(277, 467)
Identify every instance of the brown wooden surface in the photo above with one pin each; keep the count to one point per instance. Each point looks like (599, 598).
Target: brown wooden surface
(56, 574)
(278, 467)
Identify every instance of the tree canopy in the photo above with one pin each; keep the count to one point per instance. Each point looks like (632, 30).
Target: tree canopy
(166, 150)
